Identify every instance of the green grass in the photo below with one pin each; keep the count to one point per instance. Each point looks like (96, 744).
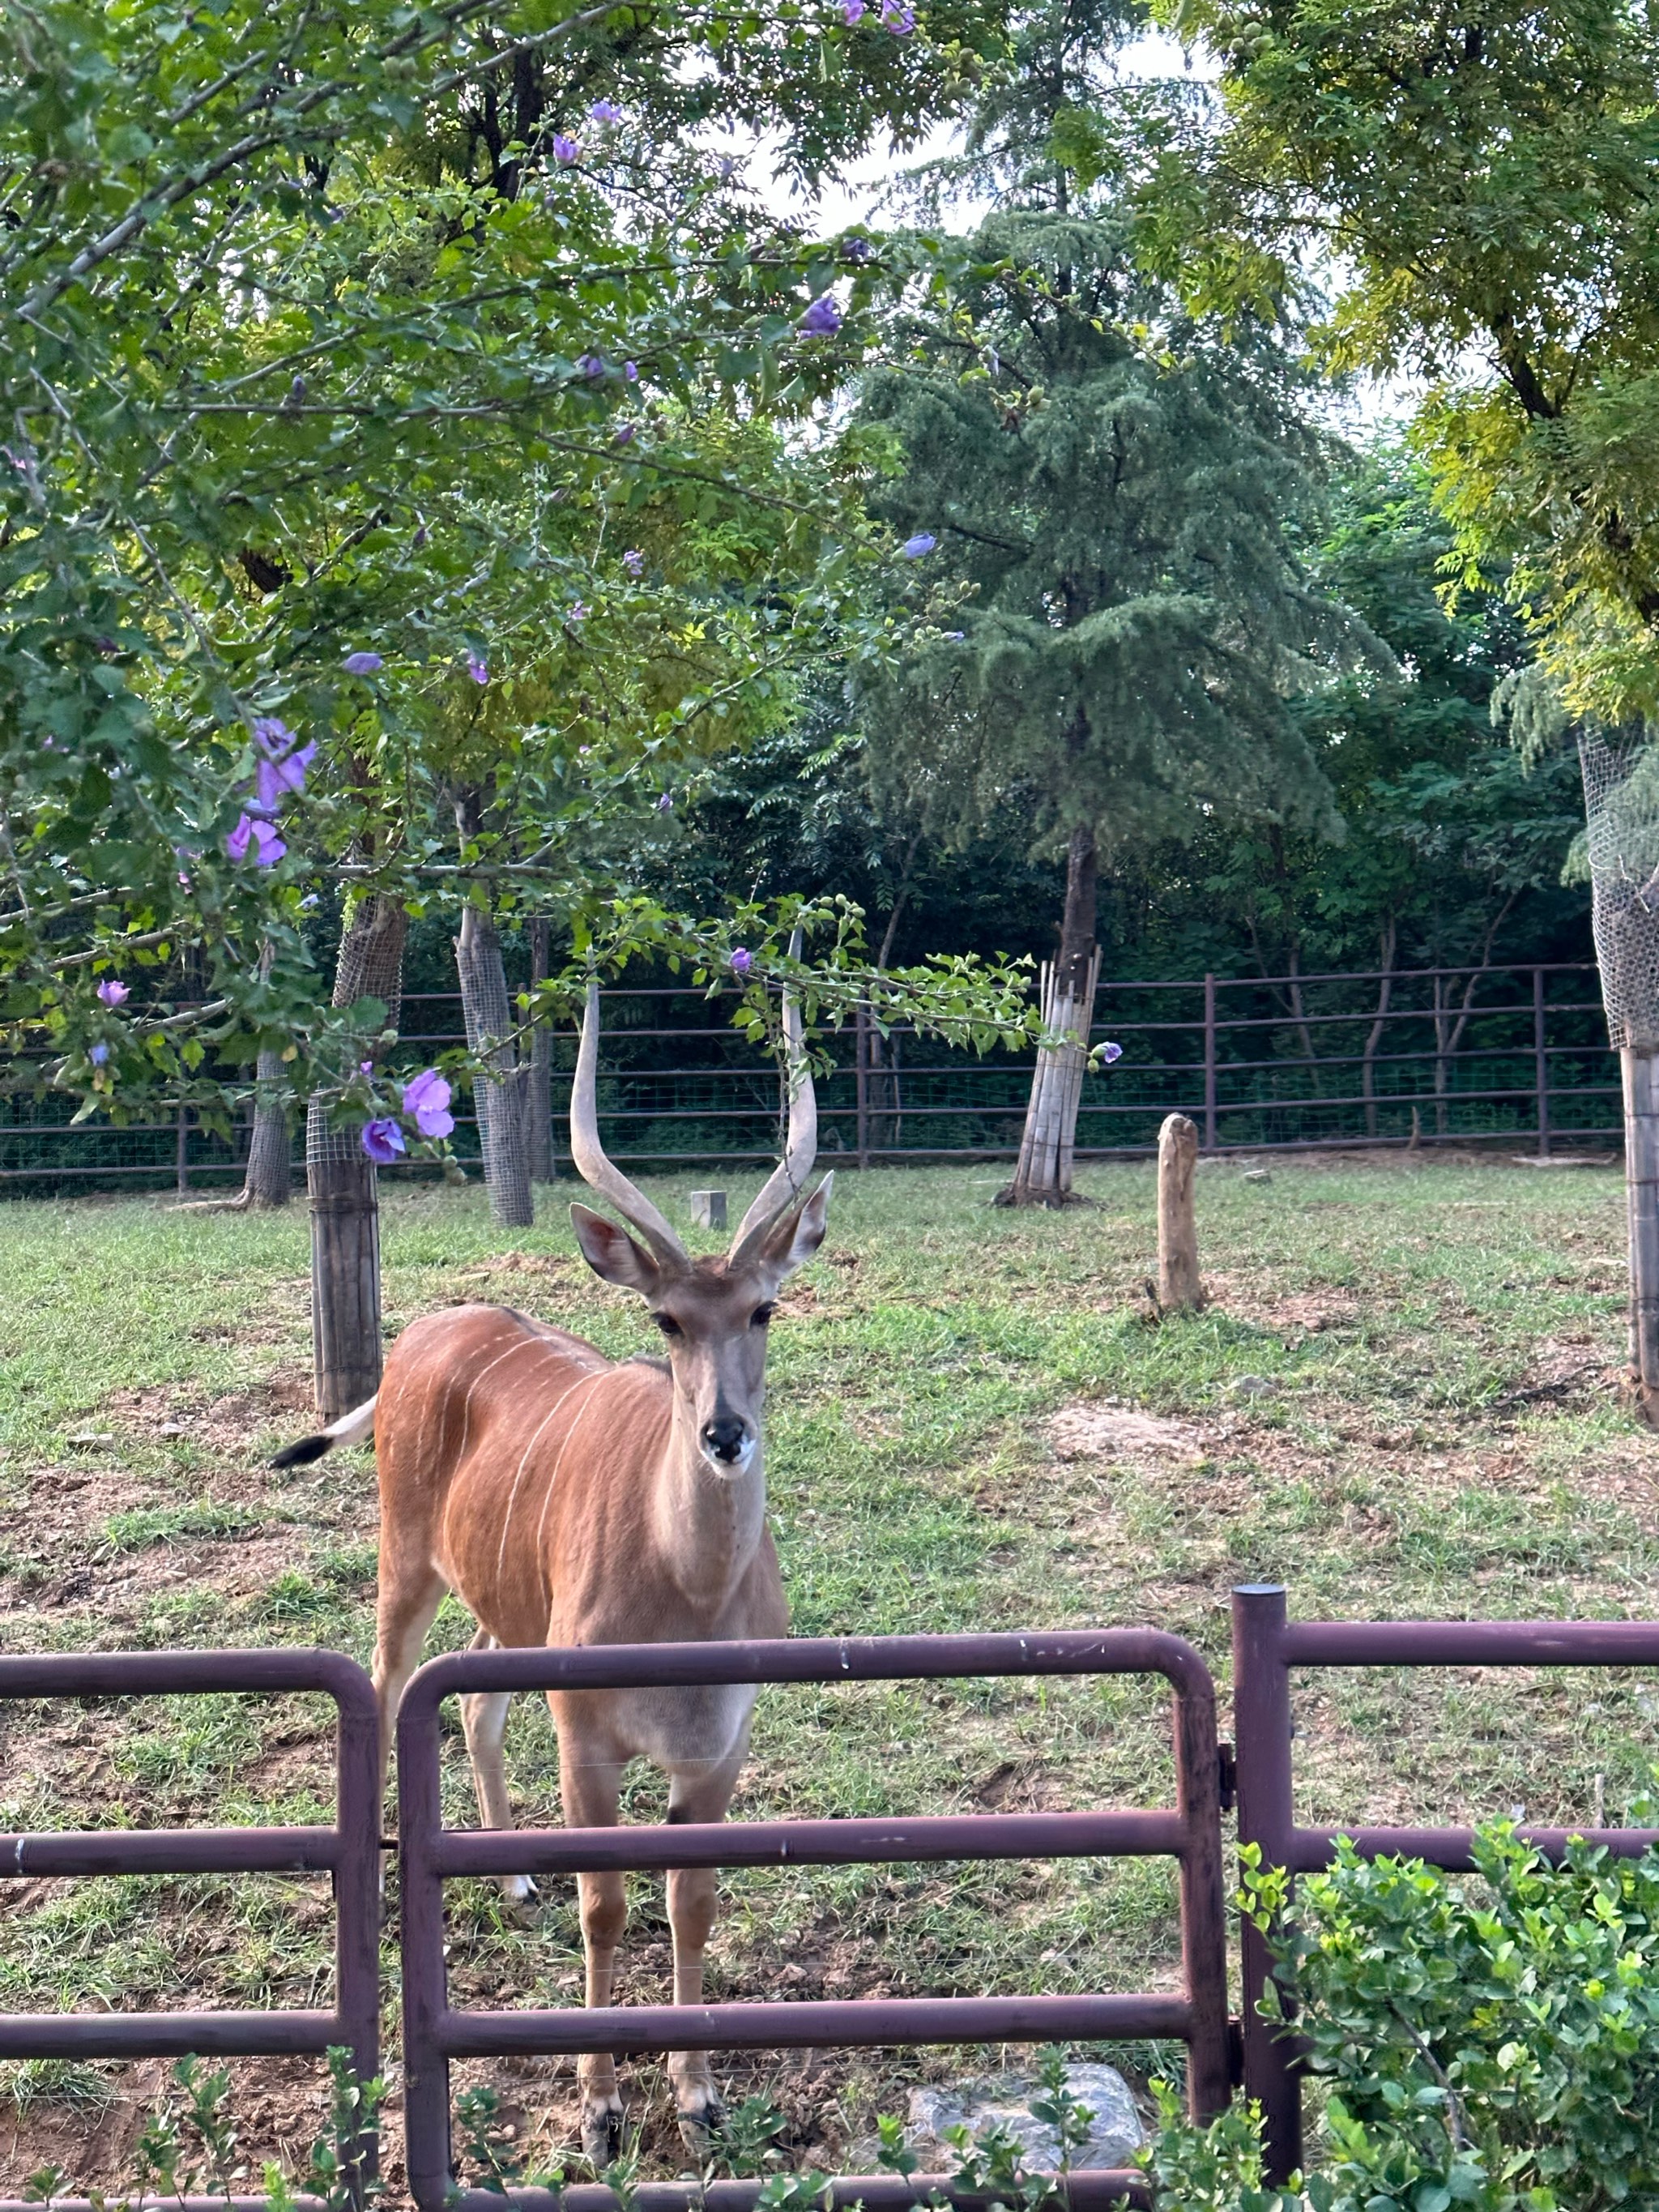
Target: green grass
(1401, 1402)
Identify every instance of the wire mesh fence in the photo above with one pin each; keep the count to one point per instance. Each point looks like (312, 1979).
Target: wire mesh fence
(1444, 1055)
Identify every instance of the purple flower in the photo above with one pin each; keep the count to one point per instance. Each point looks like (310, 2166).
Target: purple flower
(98, 1054)
(634, 562)
(604, 111)
(383, 1141)
(955, 636)
(900, 20)
(914, 548)
(665, 803)
(565, 149)
(742, 960)
(268, 847)
(591, 364)
(631, 372)
(624, 434)
(1108, 1053)
(578, 611)
(855, 249)
(271, 735)
(362, 663)
(852, 12)
(821, 320)
(113, 993)
(477, 668)
(427, 1097)
(365, 1067)
(273, 777)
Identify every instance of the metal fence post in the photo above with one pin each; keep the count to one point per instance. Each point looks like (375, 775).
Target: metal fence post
(1262, 1731)
(861, 1080)
(181, 1150)
(1540, 1063)
(1209, 1062)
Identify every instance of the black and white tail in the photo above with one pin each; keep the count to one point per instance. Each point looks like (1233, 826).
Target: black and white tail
(350, 1428)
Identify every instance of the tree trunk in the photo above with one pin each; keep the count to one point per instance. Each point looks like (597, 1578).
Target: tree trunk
(1042, 1175)
(1179, 1289)
(539, 1134)
(501, 1089)
(267, 1182)
(345, 1218)
(1368, 1058)
(1640, 1071)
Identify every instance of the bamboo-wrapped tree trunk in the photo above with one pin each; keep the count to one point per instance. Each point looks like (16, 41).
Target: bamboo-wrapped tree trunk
(1042, 1175)
(502, 1088)
(269, 1178)
(539, 1135)
(345, 1218)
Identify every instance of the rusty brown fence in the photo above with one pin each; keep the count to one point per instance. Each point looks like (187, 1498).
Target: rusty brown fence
(1435, 1056)
(434, 2033)
(1266, 1647)
(349, 1852)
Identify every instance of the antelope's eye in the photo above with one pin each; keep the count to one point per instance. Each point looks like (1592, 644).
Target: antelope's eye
(667, 1324)
(761, 1315)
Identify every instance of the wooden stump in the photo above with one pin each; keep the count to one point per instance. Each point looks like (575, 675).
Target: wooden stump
(1179, 1289)
(345, 1279)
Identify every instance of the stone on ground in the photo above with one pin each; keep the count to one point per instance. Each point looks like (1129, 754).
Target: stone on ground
(1116, 2134)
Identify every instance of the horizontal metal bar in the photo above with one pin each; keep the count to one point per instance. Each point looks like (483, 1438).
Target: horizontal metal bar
(151, 1674)
(1313, 1849)
(299, 2202)
(169, 2034)
(810, 2026)
(809, 1843)
(1471, 1643)
(1085, 2189)
(817, 1659)
(172, 1851)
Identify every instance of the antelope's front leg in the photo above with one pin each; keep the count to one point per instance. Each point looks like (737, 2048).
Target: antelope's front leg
(691, 1909)
(590, 1782)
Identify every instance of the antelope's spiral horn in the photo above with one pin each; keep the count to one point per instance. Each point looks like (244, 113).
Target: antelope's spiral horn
(588, 1153)
(788, 1179)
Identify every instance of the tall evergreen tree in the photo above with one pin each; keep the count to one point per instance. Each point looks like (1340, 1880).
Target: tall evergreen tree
(1109, 496)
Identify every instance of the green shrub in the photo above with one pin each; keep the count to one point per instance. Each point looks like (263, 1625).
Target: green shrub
(1491, 2041)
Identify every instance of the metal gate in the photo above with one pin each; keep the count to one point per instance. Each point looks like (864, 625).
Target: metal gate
(434, 2033)
(1266, 1646)
(349, 1851)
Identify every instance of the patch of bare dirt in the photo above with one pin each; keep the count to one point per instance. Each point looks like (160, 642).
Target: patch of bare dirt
(226, 1424)
(1101, 1429)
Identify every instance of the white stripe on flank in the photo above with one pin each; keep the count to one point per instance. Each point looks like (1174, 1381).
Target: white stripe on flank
(553, 1477)
(518, 1479)
(525, 1343)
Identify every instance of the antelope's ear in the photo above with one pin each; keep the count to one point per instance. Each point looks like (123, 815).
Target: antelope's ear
(613, 1254)
(792, 1241)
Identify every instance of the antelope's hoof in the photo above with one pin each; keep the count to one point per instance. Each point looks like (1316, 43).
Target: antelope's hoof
(602, 2133)
(521, 1896)
(700, 2123)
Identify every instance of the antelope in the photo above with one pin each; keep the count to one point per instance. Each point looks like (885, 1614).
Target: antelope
(567, 1499)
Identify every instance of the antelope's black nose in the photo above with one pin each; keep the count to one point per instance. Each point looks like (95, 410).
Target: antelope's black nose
(724, 1437)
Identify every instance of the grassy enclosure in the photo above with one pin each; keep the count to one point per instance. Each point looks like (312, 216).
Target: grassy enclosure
(1403, 1402)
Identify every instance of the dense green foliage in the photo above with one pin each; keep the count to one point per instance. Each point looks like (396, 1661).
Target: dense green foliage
(1478, 182)
(1491, 2042)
